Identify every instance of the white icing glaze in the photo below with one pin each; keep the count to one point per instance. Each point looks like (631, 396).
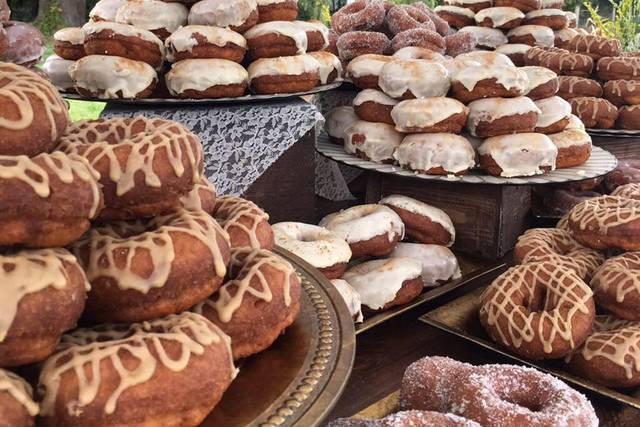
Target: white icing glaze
(367, 65)
(552, 110)
(318, 246)
(379, 281)
(570, 138)
(489, 37)
(328, 64)
(153, 15)
(361, 223)
(455, 10)
(420, 77)
(522, 154)
(73, 35)
(20, 390)
(414, 52)
(538, 76)
(543, 36)
(338, 120)
(124, 30)
(485, 58)
(283, 28)
(57, 69)
(544, 12)
(315, 26)
(183, 40)
(424, 113)
(575, 123)
(377, 140)
(106, 10)
(283, 66)
(202, 74)
(513, 48)
(421, 152)
(439, 264)
(238, 214)
(350, 297)
(372, 95)
(571, 17)
(221, 13)
(511, 78)
(490, 109)
(465, 2)
(499, 15)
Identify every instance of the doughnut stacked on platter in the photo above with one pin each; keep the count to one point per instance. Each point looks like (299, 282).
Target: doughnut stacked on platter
(144, 48)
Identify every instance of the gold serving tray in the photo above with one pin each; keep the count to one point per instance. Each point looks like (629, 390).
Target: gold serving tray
(460, 317)
(298, 380)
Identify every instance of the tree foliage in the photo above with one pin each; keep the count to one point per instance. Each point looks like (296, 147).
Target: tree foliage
(624, 25)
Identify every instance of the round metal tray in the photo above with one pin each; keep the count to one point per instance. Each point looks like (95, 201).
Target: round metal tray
(297, 380)
(615, 133)
(219, 101)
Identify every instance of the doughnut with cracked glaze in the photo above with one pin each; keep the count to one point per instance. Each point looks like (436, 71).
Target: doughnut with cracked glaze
(487, 38)
(503, 18)
(105, 10)
(552, 18)
(473, 5)
(430, 115)
(543, 83)
(275, 39)
(515, 52)
(237, 15)
(159, 17)
(481, 81)
(522, 154)
(417, 78)
(201, 42)
(534, 35)
(436, 154)
(330, 66)
(286, 74)
(372, 141)
(207, 78)
(456, 16)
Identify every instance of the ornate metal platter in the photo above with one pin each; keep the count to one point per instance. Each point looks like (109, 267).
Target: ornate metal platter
(615, 133)
(297, 380)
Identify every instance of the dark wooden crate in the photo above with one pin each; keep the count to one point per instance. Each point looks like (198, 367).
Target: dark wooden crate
(622, 148)
(488, 218)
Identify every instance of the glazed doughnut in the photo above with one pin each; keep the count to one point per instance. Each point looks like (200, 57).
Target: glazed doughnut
(547, 17)
(350, 297)
(105, 10)
(515, 52)
(622, 92)
(436, 154)
(487, 38)
(523, 154)
(523, 5)
(370, 230)
(407, 418)
(365, 70)
(25, 44)
(629, 191)
(503, 18)
(277, 10)
(338, 121)
(159, 17)
(616, 285)
(552, 4)
(16, 401)
(57, 69)
(595, 46)
(360, 15)
(318, 246)
(68, 43)
(126, 41)
(423, 223)
(476, 82)
(371, 105)
(456, 16)
(460, 43)
(247, 224)
(375, 142)
(628, 117)
(358, 43)
(430, 115)
(575, 123)
(277, 38)
(554, 116)
(185, 352)
(619, 68)
(627, 172)
(43, 296)
(386, 283)
(412, 52)
(482, 57)
(439, 264)
(317, 35)
(286, 74)
(561, 61)
(499, 116)
(207, 78)
(572, 19)
(408, 79)
(538, 311)
(202, 42)
(574, 86)
(574, 147)
(563, 37)
(34, 114)
(534, 35)
(473, 5)
(543, 83)
(419, 37)
(330, 66)
(442, 27)
(558, 247)
(237, 15)
(260, 299)
(607, 222)
(594, 112)
(406, 17)
(202, 197)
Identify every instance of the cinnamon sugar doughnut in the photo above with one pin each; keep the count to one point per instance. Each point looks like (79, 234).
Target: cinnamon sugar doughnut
(503, 18)
(407, 418)
(522, 154)
(547, 17)
(207, 78)
(543, 83)
(456, 16)
(359, 15)
(616, 285)
(358, 43)
(330, 66)
(574, 86)
(285, 74)
(374, 106)
(277, 10)
(515, 52)
(16, 400)
(473, 5)
(159, 17)
(442, 27)
(476, 82)
(523, 5)
(105, 10)
(460, 43)
(534, 35)
(628, 117)
(622, 92)
(365, 70)
(594, 112)
(436, 154)
(574, 147)
(629, 191)
(68, 43)
(410, 79)
(439, 264)
(486, 38)
(202, 197)
(338, 121)
(237, 15)
(247, 224)
(202, 42)
(619, 68)
(430, 115)
(406, 17)
(499, 116)
(554, 116)
(372, 141)
(419, 37)
(595, 46)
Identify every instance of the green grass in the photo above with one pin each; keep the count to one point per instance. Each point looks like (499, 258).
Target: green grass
(85, 110)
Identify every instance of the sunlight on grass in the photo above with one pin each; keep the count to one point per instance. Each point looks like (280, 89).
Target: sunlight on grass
(83, 110)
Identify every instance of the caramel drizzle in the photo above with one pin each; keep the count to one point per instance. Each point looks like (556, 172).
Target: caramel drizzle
(602, 213)
(563, 224)
(153, 238)
(83, 351)
(230, 211)
(628, 85)
(28, 272)
(17, 84)
(628, 191)
(586, 43)
(100, 139)
(622, 273)
(630, 64)
(20, 390)
(563, 289)
(582, 107)
(192, 200)
(246, 265)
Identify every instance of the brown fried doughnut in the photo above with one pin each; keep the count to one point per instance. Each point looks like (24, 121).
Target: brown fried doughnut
(360, 15)
(594, 112)
(523, 5)
(619, 68)
(247, 224)
(628, 117)
(201, 42)
(277, 10)
(406, 17)
(595, 46)
(555, 19)
(68, 43)
(622, 92)
(574, 147)
(419, 37)
(16, 395)
(357, 43)
(616, 285)
(285, 74)
(574, 86)
(455, 16)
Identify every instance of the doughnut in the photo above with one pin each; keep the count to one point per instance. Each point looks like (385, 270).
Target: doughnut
(407, 418)
(412, 52)
(563, 37)
(627, 172)
(538, 311)
(503, 18)
(610, 354)
(92, 372)
(360, 15)
(552, 4)
(247, 224)
(5, 12)
(237, 15)
(371, 105)
(499, 116)
(406, 17)
(202, 42)
(616, 285)
(534, 35)
(277, 10)
(628, 117)
(409, 79)
(476, 82)
(386, 283)
(515, 52)
(607, 222)
(562, 62)
(33, 113)
(68, 43)
(436, 154)
(523, 154)
(629, 191)
(574, 86)
(57, 69)
(330, 66)
(370, 230)
(162, 162)
(619, 68)
(207, 78)
(575, 123)
(473, 5)
(430, 115)
(547, 17)
(318, 246)
(523, 5)
(556, 246)
(439, 264)
(595, 46)
(286, 74)
(277, 38)
(442, 27)
(357, 43)
(560, 202)
(202, 197)
(16, 401)
(572, 19)
(419, 37)
(337, 121)
(105, 10)
(25, 44)
(554, 116)
(4, 42)
(594, 112)
(333, 43)
(543, 83)
(490, 59)
(423, 223)
(622, 92)
(159, 17)
(456, 16)
(487, 38)
(365, 70)
(260, 299)
(126, 41)
(317, 35)
(375, 142)
(460, 43)
(574, 147)
(350, 297)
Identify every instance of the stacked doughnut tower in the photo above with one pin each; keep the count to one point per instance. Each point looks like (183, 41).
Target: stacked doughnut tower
(361, 250)
(575, 292)
(112, 222)
(210, 49)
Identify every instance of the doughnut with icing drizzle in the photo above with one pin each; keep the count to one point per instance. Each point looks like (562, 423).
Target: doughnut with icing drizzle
(16, 401)
(247, 224)
(616, 285)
